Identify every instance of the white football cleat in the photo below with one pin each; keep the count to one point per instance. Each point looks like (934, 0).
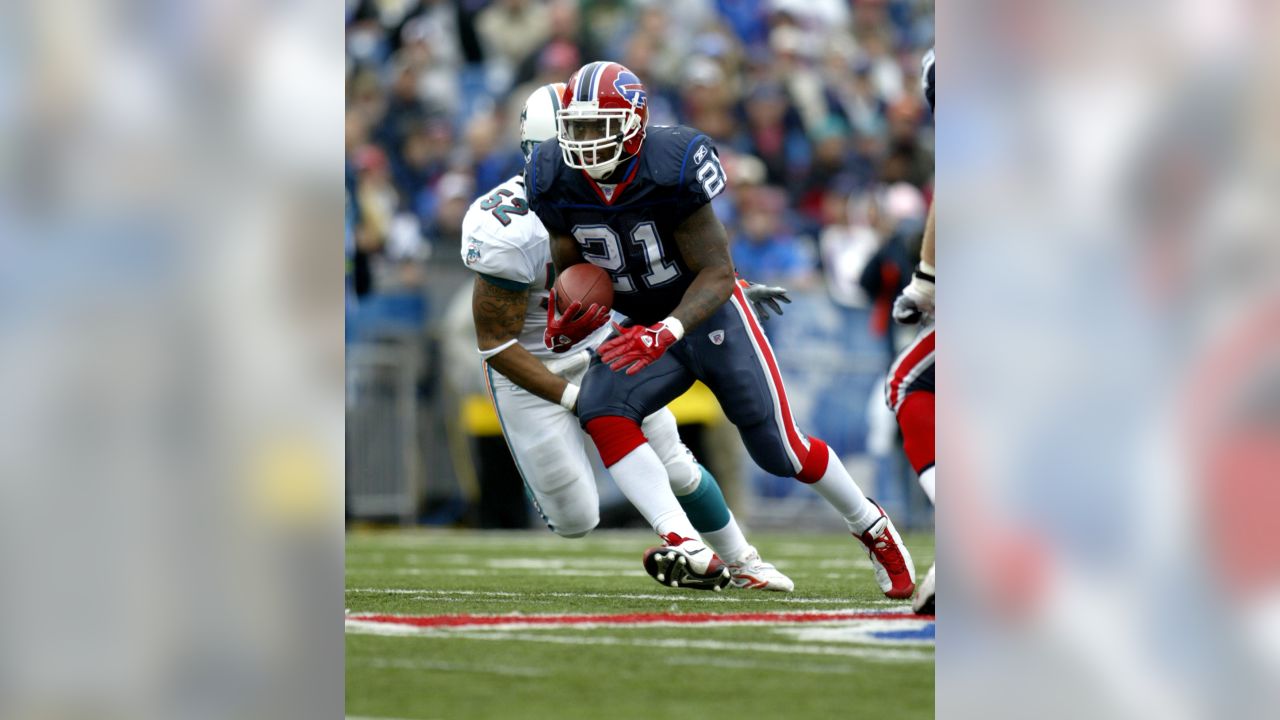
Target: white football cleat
(889, 557)
(686, 563)
(751, 573)
(924, 602)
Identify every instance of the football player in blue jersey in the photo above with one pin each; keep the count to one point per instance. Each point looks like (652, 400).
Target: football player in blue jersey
(635, 201)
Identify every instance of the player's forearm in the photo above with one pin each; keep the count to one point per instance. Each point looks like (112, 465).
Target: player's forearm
(564, 252)
(926, 248)
(522, 368)
(708, 292)
(705, 246)
(499, 316)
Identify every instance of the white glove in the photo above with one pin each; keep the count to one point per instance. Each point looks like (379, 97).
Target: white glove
(916, 300)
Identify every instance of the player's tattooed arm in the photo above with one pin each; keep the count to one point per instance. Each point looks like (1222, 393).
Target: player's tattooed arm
(705, 246)
(499, 315)
(564, 252)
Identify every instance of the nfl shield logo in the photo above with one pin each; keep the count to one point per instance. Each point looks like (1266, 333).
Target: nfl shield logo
(716, 336)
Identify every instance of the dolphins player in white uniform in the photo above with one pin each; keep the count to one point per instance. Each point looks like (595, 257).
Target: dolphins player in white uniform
(534, 391)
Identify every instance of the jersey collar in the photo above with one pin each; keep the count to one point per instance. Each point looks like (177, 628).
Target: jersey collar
(617, 189)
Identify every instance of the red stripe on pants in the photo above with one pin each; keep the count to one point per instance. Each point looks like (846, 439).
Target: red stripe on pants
(907, 363)
(793, 437)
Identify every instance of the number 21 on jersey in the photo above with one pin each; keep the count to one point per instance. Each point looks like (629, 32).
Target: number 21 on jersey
(602, 246)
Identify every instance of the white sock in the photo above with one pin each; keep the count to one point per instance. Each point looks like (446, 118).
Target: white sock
(926, 482)
(642, 478)
(839, 489)
(728, 542)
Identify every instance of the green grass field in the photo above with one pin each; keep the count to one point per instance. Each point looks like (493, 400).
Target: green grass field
(837, 668)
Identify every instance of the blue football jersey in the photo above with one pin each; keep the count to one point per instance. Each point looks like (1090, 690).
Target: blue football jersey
(628, 228)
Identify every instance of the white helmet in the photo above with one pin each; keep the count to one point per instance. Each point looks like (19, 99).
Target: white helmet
(539, 120)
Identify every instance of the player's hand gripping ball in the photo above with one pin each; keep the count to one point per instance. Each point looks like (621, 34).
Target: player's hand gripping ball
(578, 286)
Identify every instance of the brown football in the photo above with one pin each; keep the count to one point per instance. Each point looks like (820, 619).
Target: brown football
(585, 283)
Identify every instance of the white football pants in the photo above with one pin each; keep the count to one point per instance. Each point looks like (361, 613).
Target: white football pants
(558, 460)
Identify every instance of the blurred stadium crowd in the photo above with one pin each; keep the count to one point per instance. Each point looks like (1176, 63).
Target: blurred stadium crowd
(814, 105)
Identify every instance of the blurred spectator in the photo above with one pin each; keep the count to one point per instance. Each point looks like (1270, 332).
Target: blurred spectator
(492, 160)
(404, 107)
(847, 243)
(897, 214)
(513, 29)
(792, 67)
(432, 52)
(376, 196)
(562, 34)
(855, 95)
(456, 190)
(424, 156)
(830, 160)
(774, 134)
(763, 251)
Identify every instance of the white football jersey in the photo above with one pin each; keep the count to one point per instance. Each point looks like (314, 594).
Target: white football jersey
(503, 241)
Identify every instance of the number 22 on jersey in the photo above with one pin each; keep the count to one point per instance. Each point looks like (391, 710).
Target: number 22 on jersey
(601, 246)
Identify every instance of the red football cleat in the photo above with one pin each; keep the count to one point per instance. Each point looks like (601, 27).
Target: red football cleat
(894, 571)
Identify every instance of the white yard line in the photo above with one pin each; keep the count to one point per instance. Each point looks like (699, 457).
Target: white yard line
(782, 665)
(370, 717)
(403, 664)
(864, 653)
(484, 572)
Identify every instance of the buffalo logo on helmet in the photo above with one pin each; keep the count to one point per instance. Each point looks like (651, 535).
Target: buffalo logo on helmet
(630, 87)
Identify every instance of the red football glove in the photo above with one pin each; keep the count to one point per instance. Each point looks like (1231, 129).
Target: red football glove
(565, 331)
(639, 346)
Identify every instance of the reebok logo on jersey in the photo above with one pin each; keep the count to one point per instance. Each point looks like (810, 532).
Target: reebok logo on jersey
(698, 156)
(716, 337)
